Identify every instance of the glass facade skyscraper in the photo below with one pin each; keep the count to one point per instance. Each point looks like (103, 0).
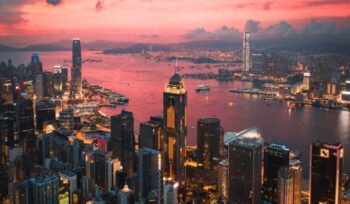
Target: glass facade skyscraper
(175, 123)
(245, 155)
(326, 168)
(76, 76)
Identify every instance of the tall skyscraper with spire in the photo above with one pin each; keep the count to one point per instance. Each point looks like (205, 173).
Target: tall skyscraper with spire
(246, 52)
(76, 79)
(175, 125)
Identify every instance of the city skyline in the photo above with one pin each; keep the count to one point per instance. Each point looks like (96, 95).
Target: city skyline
(164, 102)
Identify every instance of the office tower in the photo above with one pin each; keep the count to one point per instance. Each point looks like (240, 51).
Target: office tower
(306, 81)
(57, 79)
(76, 76)
(7, 141)
(28, 88)
(209, 141)
(96, 169)
(123, 140)
(102, 169)
(150, 175)
(49, 86)
(8, 136)
(45, 111)
(326, 169)
(6, 90)
(275, 157)
(223, 178)
(56, 145)
(19, 193)
(289, 183)
(151, 134)
(97, 198)
(259, 63)
(44, 190)
(245, 163)
(40, 85)
(87, 185)
(170, 191)
(68, 185)
(331, 88)
(25, 126)
(175, 123)
(113, 166)
(64, 77)
(126, 196)
(35, 65)
(246, 52)
(345, 96)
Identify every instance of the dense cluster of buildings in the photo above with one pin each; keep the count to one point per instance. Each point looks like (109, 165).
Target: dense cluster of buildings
(52, 153)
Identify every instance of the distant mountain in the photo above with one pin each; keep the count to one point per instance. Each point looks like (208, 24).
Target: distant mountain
(298, 44)
(137, 48)
(206, 44)
(44, 47)
(5, 48)
(105, 45)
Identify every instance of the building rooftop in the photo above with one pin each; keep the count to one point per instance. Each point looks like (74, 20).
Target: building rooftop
(175, 79)
(249, 137)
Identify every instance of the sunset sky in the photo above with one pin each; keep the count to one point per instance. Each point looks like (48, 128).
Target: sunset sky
(37, 21)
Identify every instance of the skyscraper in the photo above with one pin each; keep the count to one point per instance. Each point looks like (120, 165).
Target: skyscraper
(223, 178)
(289, 183)
(150, 175)
(175, 123)
(7, 141)
(25, 126)
(45, 111)
(246, 52)
(40, 85)
(76, 76)
(306, 81)
(126, 196)
(68, 185)
(209, 141)
(102, 169)
(275, 157)
(245, 163)
(123, 140)
(44, 190)
(326, 168)
(170, 191)
(151, 134)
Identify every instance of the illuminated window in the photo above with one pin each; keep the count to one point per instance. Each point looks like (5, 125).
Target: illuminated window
(171, 143)
(171, 117)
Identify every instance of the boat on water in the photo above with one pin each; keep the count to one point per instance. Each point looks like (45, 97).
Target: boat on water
(203, 87)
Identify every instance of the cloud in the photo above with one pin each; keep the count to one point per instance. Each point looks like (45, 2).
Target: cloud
(252, 26)
(104, 4)
(326, 2)
(99, 5)
(11, 18)
(54, 2)
(11, 13)
(313, 36)
(149, 36)
(223, 33)
(267, 6)
(281, 29)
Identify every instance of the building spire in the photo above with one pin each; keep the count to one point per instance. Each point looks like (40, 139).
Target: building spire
(176, 65)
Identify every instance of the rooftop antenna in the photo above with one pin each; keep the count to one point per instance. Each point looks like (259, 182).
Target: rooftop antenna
(176, 65)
